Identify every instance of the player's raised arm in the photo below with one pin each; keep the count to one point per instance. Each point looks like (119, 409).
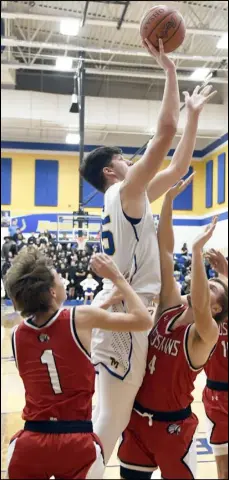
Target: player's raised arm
(205, 325)
(170, 294)
(144, 170)
(137, 318)
(183, 155)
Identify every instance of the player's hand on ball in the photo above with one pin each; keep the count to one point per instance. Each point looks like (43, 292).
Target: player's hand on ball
(197, 100)
(104, 266)
(204, 236)
(162, 59)
(180, 187)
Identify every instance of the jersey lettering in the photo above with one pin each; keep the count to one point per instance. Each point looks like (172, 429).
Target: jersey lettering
(166, 345)
(47, 358)
(223, 329)
(225, 348)
(107, 238)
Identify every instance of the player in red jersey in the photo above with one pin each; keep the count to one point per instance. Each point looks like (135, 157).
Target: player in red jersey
(51, 348)
(162, 426)
(215, 394)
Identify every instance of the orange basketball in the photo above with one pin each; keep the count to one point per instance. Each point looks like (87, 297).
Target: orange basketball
(165, 23)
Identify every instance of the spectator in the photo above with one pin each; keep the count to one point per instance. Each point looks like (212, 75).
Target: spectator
(42, 238)
(32, 240)
(62, 270)
(8, 246)
(89, 286)
(72, 277)
(13, 227)
(15, 236)
(184, 249)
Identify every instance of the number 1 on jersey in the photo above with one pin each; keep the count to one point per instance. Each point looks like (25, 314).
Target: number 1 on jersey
(152, 365)
(225, 348)
(47, 358)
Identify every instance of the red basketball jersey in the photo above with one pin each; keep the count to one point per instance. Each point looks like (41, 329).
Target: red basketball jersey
(169, 378)
(217, 367)
(55, 368)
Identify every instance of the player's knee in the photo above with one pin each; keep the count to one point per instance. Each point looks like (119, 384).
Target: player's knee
(127, 474)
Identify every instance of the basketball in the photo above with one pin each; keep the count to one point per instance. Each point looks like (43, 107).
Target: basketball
(165, 23)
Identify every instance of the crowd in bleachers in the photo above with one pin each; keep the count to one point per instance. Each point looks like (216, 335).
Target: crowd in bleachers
(71, 261)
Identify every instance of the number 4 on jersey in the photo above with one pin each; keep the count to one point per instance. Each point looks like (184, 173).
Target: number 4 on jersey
(152, 364)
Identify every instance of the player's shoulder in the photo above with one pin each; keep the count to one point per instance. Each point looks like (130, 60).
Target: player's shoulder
(171, 313)
(113, 190)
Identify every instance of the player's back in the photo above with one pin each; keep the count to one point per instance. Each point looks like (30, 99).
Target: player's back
(132, 243)
(216, 368)
(169, 378)
(55, 368)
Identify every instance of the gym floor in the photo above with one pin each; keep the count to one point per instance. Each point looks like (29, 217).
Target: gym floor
(12, 401)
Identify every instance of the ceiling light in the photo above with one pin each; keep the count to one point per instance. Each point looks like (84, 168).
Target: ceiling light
(70, 27)
(223, 42)
(200, 73)
(63, 63)
(73, 138)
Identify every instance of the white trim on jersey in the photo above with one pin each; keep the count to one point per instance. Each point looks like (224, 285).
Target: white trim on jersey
(75, 336)
(173, 320)
(186, 351)
(47, 324)
(14, 346)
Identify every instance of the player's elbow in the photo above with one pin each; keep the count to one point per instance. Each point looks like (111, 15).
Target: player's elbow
(144, 320)
(168, 128)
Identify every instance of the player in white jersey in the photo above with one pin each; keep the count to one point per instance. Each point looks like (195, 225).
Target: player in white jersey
(129, 236)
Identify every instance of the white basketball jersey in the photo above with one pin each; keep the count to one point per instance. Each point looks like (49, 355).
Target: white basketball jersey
(133, 246)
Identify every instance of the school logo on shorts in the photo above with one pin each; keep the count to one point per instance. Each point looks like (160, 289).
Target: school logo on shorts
(174, 428)
(43, 337)
(114, 362)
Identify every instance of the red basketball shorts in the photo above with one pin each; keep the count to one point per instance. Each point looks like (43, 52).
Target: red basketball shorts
(216, 409)
(64, 456)
(167, 445)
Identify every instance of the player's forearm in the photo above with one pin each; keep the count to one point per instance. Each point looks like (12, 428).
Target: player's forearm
(200, 293)
(183, 155)
(165, 227)
(133, 302)
(170, 108)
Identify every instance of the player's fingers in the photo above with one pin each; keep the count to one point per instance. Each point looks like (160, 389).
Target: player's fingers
(161, 46)
(179, 184)
(197, 89)
(206, 90)
(151, 47)
(186, 95)
(215, 220)
(211, 95)
(188, 180)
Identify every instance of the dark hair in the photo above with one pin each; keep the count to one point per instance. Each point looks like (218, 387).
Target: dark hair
(93, 164)
(222, 300)
(28, 282)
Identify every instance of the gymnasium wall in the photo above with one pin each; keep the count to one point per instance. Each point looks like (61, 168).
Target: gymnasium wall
(34, 189)
(36, 186)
